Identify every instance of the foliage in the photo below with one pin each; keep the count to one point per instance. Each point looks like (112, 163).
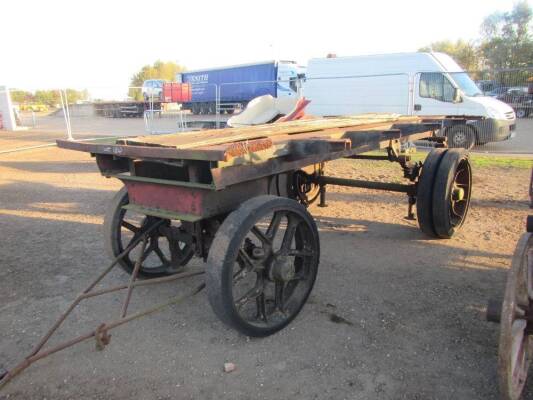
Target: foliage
(48, 97)
(465, 53)
(505, 42)
(159, 70)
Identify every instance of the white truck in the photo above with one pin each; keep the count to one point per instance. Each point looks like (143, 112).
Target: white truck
(421, 84)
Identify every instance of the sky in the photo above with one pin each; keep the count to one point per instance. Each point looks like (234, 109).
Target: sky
(99, 45)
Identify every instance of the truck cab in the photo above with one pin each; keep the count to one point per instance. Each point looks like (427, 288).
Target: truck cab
(289, 79)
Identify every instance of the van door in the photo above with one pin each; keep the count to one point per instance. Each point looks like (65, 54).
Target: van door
(434, 95)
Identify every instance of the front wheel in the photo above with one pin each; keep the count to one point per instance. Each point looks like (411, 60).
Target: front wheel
(521, 113)
(461, 136)
(262, 265)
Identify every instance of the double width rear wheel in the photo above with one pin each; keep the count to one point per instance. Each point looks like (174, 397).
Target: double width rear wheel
(262, 265)
(443, 192)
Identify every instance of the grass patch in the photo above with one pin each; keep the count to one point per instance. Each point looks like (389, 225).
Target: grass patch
(481, 161)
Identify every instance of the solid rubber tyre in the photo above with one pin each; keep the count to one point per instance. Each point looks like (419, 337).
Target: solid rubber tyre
(424, 192)
(454, 162)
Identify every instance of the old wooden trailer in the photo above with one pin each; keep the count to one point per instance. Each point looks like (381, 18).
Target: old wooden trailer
(239, 197)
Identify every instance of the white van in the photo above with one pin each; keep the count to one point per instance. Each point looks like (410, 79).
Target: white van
(410, 84)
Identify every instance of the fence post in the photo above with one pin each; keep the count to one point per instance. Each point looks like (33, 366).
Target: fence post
(6, 109)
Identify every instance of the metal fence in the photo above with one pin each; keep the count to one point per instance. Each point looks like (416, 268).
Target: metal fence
(111, 111)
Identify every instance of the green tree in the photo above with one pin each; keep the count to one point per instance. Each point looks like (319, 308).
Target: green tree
(465, 53)
(21, 96)
(159, 70)
(53, 98)
(506, 38)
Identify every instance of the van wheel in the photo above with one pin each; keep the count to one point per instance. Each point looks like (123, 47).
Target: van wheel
(461, 136)
(521, 113)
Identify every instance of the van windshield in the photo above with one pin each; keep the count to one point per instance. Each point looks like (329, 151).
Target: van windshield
(466, 84)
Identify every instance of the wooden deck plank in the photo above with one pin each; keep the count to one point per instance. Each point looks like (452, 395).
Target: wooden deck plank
(189, 140)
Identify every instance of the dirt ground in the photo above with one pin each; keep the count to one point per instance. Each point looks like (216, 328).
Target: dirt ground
(412, 320)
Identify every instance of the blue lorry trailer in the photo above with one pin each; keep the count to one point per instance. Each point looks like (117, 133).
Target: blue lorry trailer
(235, 86)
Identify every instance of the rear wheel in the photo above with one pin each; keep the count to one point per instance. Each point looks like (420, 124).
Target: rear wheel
(262, 265)
(424, 194)
(451, 193)
(169, 247)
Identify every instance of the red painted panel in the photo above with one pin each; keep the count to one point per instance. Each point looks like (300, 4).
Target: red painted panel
(165, 197)
(174, 92)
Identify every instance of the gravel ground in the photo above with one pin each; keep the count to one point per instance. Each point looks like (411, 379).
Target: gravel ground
(411, 310)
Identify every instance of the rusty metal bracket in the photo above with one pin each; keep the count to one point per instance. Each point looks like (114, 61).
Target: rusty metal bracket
(101, 333)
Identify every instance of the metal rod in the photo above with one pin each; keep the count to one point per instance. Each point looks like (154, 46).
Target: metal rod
(134, 276)
(80, 297)
(107, 327)
(369, 157)
(393, 187)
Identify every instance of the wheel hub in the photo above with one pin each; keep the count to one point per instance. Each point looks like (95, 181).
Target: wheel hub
(282, 268)
(458, 194)
(460, 138)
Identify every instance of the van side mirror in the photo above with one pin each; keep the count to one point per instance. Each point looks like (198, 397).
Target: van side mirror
(457, 96)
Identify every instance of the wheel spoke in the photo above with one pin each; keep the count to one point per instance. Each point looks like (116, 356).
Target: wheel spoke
(301, 253)
(161, 256)
(274, 225)
(261, 307)
(261, 236)
(129, 226)
(151, 247)
(246, 260)
(251, 294)
(289, 235)
(278, 299)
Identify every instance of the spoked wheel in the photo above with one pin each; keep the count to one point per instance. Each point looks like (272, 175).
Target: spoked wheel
(168, 249)
(262, 265)
(515, 348)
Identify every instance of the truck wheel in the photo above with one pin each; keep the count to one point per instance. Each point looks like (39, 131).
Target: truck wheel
(262, 265)
(521, 113)
(451, 193)
(461, 136)
(424, 191)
